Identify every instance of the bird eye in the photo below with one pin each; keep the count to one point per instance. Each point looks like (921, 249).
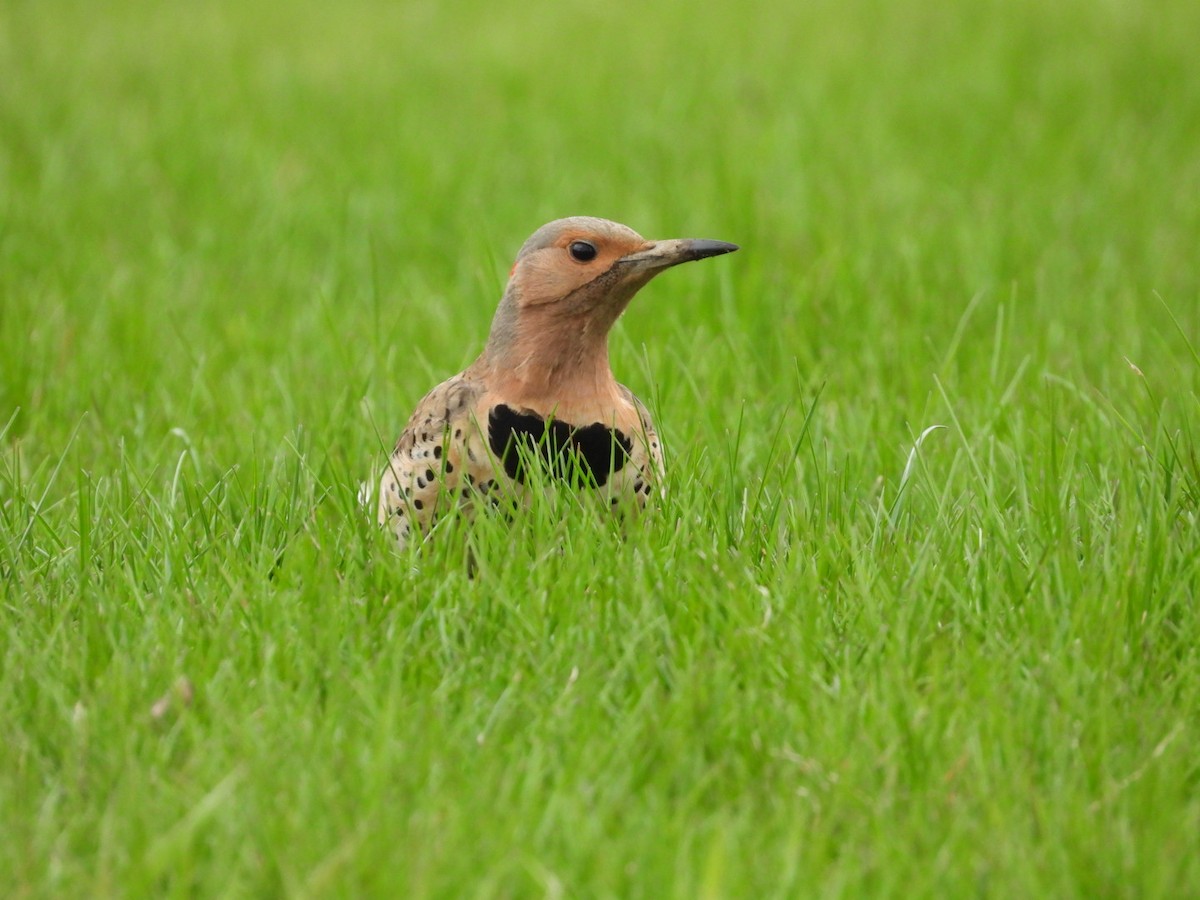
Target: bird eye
(583, 251)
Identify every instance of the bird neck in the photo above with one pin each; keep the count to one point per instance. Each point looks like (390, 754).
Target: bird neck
(567, 375)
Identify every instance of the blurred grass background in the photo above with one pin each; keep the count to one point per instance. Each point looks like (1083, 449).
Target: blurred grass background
(176, 172)
(239, 240)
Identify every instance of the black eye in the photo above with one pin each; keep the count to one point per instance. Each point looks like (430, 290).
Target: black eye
(583, 251)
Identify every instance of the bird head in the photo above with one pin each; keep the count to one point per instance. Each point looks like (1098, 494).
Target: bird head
(572, 280)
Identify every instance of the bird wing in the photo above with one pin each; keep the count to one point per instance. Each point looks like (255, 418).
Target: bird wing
(647, 452)
(441, 443)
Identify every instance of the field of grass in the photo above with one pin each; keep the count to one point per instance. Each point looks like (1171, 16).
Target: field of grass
(238, 241)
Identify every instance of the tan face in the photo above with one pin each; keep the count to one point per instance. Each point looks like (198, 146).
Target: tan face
(575, 259)
(572, 279)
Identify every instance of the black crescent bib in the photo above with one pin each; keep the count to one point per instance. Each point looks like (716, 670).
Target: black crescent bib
(567, 452)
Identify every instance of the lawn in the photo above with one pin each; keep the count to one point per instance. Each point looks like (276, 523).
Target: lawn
(850, 654)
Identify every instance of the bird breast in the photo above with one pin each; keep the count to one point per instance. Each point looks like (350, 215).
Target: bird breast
(564, 451)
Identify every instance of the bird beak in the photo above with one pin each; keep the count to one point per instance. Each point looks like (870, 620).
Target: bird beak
(664, 254)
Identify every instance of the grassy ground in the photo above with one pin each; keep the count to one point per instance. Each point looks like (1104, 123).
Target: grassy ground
(238, 241)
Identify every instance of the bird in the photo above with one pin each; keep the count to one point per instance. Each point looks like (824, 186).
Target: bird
(542, 393)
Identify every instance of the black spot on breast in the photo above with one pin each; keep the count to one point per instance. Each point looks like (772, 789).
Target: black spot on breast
(566, 451)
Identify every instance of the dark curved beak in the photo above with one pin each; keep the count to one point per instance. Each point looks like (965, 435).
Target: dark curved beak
(662, 254)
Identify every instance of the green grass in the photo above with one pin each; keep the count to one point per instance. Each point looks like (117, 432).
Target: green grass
(238, 241)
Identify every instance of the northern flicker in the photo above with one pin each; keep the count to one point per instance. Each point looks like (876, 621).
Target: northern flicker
(541, 393)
